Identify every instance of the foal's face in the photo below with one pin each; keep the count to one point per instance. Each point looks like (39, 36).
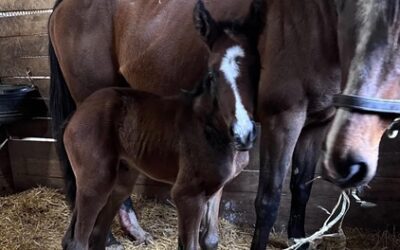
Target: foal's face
(233, 72)
(230, 65)
(369, 40)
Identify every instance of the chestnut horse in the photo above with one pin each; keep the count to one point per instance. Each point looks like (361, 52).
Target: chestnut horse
(196, 142)
(369, 31)
(126, 47)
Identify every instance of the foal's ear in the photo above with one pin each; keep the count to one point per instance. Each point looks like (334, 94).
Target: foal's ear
(204, 23)
(255, 21)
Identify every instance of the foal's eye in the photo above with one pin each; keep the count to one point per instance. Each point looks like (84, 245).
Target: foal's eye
(210, 76)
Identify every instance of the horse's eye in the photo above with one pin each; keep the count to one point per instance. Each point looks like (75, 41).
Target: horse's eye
(210, 76)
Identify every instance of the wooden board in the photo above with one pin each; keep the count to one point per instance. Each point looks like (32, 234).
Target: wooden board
(9, 5)
(37, 66)
(24, 25)
(24, 46)
(37, 127)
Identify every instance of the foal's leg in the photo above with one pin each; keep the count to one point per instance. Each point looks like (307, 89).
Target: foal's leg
(94, 186)
(305, 159)
(209, 226)
(279, 136)
(190, 202)
(122, 190)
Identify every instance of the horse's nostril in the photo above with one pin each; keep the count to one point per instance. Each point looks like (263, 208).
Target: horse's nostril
(356, 172)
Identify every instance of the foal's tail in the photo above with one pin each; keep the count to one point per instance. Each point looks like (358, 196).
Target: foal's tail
(61, 107)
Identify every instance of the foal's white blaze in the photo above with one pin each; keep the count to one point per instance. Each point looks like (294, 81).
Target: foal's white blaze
(229, 66)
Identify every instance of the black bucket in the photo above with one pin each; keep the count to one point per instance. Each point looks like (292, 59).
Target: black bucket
(15, 102)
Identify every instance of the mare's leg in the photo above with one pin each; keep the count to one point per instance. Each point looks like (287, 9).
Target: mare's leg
(303, 168)
(122, 189)
(279, 136)
(190, 202)
(209, 226)
(129, 221)
(69, 235)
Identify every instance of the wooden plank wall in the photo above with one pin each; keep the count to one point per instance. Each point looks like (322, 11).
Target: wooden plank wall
(23, 48)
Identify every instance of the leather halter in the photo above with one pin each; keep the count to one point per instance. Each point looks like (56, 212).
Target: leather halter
(366, 104)
(372, 105)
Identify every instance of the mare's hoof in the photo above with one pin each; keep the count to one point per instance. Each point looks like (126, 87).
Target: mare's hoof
(305, 246)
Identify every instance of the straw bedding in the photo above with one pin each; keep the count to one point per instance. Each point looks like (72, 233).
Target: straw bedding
(37, 219)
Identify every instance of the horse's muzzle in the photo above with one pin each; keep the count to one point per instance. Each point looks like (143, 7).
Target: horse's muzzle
(245, 143)
(346, 174)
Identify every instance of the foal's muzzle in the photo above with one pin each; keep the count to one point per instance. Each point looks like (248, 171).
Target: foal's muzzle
(245, 142)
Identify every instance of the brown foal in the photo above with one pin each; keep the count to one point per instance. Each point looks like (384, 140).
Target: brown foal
(196, 141)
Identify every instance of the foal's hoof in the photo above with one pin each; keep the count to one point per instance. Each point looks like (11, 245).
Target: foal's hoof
(112, 243)
(131, 227)
(117, 246)
(146, 239)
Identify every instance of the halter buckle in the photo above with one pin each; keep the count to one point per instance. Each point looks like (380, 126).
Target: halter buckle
(393, 130)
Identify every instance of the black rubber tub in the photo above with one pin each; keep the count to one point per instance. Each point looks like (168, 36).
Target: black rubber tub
(16, 102)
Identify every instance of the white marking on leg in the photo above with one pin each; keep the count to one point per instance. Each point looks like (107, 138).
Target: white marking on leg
(229, 66)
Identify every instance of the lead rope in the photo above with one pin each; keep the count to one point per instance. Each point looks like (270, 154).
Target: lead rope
(344, 200)
(4, 14)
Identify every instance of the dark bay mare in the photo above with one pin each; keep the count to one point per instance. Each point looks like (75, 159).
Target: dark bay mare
(196, 141)
(163, 67)
(370, 57)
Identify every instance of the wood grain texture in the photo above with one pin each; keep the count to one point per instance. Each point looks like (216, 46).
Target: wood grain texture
(24, 46)
(12, 5)
(24, 25)
(21, 66)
